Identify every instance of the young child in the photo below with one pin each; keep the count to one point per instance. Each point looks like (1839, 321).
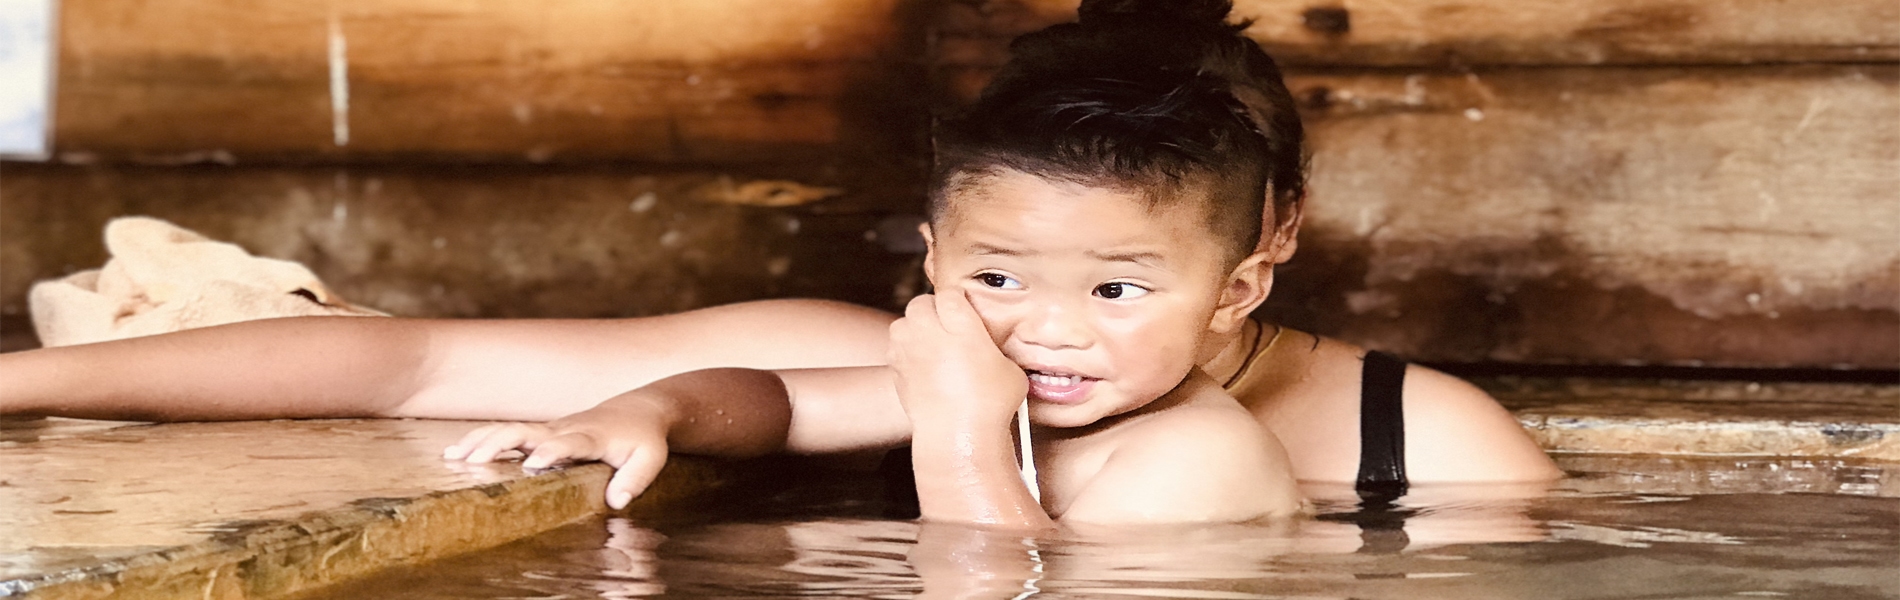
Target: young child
(1342, 415)
(1094, 224)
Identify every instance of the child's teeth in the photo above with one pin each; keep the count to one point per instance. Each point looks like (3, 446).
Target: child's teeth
(1053, 380)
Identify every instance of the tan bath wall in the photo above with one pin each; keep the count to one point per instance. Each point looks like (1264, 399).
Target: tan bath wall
(1603, 182)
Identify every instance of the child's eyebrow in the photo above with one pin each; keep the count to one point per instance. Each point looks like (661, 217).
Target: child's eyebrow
(1151, 260)
(982, 248)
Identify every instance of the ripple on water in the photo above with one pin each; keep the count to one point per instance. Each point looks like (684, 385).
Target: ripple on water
(1620, 527)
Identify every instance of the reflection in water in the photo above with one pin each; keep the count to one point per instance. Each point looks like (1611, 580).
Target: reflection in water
(1579, 540)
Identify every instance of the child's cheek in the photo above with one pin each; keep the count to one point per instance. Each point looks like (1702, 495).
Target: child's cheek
(1153, 363)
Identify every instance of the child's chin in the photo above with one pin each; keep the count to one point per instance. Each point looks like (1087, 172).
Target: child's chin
(1064, 415)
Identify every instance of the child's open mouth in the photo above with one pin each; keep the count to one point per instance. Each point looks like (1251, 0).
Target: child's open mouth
(1058, 387)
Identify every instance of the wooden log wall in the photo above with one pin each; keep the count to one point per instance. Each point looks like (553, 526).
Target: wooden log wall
(1601, 182)
(579, 158)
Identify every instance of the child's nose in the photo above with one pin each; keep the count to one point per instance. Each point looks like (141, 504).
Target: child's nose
(1054, 326)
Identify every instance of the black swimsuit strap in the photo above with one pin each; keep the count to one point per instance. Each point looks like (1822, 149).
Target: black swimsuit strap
(1382, 426)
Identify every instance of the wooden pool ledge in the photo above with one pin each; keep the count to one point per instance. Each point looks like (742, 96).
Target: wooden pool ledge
(1710, 418)
(232, 511)
(225, 511)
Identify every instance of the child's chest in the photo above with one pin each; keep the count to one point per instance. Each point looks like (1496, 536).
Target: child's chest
(1064, 468)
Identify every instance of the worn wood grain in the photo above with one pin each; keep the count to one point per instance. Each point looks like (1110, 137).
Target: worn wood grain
(1741, 217)
(575, 80)
(1494, 32)
(478, 241)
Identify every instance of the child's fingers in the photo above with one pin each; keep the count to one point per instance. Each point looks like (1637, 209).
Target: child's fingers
(634, 475)
(568, 446)
(922, 309)
(955, 312)
(503, 439)
(469, 440)
(475, 441)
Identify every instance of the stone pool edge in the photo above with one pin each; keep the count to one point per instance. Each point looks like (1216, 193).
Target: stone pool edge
(278, 559)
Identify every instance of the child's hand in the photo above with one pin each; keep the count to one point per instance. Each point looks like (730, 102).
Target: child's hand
(949, 371)
(626, 432)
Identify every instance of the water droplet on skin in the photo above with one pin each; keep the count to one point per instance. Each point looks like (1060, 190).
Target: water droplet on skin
(720, 411)
(1474, 114)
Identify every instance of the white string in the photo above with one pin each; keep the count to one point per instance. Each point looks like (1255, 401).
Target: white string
(1026, 450)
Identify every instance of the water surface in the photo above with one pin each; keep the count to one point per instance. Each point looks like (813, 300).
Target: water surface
(1618, 528)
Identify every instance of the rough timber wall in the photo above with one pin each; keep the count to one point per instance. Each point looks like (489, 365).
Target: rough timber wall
(1595, 182)
(1602, 182)
(582, 158)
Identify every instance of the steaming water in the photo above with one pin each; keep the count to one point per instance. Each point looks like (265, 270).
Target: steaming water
(1617, 528)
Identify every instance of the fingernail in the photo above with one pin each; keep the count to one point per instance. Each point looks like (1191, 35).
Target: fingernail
(451, 451)
(619, 500)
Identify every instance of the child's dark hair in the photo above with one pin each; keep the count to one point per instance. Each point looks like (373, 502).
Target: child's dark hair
(1163, 97)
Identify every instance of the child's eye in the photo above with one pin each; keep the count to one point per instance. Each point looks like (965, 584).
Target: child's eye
(999, 281)
(1120, 291)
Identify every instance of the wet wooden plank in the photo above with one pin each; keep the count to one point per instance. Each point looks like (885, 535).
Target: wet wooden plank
(1497, 32)
(1732, 217)
(113, 514)
(575, 80)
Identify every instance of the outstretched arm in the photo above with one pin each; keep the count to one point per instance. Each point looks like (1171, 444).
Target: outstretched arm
(715, 412)
(455, 369)
(302, 367)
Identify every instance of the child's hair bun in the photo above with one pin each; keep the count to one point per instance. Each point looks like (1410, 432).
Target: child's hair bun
(1206, 12)
(1145, 94)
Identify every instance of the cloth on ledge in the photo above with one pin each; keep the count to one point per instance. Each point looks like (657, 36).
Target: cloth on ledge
(164, 278)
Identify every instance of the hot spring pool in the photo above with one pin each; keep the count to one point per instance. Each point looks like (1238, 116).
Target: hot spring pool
(1618, 527)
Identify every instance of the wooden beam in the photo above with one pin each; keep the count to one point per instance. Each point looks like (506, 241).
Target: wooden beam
(1496, 32)
(1734, 216)
(574, 80)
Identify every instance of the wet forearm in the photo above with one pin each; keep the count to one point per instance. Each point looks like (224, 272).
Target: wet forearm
(721, 412)
(969, 475)
(278, 368)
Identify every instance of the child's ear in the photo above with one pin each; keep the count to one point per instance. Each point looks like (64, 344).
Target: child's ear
(1247, 287)
(1280, 238)
(930, 254)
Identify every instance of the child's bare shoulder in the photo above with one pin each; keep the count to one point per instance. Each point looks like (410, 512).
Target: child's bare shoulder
(1209, 419)
(1454, 431)
(1206, 459)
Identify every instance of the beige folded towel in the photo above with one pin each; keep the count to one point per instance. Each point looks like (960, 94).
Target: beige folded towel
(164, 278)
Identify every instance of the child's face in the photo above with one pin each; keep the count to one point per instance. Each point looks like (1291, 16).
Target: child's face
(1104, 302)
